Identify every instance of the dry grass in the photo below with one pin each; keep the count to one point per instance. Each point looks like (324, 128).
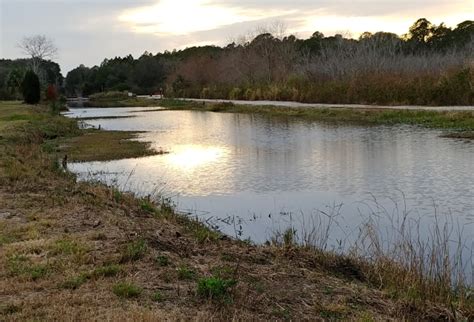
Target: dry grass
(65, 246)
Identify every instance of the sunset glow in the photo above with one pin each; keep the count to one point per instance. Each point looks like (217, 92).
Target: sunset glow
(192, 156)
(181, 17)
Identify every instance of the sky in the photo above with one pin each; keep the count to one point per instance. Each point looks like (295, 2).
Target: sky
(87, 31)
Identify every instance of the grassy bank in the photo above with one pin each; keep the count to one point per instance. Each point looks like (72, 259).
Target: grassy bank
(132, 102)
(96, 145)
(117, 99)
(460, 121)
(72, 250)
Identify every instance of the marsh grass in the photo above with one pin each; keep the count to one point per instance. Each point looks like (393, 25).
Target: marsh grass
(414, 260)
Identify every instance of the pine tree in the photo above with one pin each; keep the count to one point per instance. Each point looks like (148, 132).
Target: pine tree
(31, 88)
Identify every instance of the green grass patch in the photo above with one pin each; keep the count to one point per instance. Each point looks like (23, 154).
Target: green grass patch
(134, 251)
(204, 234)
(117, 195)
(126, 290)
(223, 271)
(20, 265)
(186, 273)
(75, 282)
(215, 288)
(14, 111)
(107, 271)
(7, 238)
(67, 247)
(147, 206)
(200, 231)
(162, 261)
(157, 297)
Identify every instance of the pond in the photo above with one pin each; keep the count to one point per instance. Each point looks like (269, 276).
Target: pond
(254, 175)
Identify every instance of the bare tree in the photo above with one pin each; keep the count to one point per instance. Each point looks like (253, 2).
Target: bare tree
(39, 48)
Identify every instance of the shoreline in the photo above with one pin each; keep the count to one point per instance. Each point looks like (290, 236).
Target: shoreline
(295, 104)
(458, 124)
(96, 252)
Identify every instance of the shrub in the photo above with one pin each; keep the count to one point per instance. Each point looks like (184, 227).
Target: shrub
(31, 88)
(51, 93)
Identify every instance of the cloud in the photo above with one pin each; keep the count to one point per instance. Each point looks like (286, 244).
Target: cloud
(170, 17)
(87, 31)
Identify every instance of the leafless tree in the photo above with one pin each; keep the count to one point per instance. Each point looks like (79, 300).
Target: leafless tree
(39, 48)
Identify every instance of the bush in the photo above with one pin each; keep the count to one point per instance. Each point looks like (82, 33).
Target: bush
(31, 88)
(51, 93)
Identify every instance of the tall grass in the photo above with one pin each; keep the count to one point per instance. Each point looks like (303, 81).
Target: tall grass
(415, 258)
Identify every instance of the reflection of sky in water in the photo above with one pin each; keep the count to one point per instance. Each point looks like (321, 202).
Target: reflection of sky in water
(255, 167)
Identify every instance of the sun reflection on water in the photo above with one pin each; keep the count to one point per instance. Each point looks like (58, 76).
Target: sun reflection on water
(190, 157)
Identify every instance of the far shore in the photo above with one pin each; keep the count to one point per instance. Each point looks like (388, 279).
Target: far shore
(328, 105)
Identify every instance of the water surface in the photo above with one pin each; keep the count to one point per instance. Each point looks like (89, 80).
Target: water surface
(252, 174)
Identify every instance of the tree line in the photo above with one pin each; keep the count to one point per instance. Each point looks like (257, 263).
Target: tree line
(13, 72)
(430, 64)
